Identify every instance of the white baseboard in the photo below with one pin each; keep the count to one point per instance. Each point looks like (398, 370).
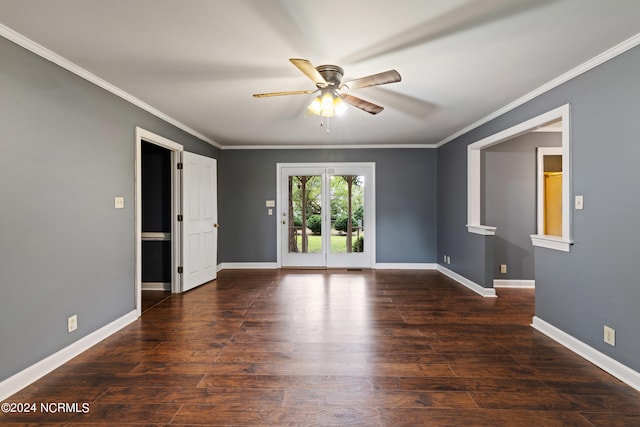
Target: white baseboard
(247, 265)
(480, 290)
(405, 266)
(156, 286)
(379, 266)
(604, 362)
(506, 283)
(36, 371)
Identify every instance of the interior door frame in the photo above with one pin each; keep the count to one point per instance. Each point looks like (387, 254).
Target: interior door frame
(371, 208)
(176, 154)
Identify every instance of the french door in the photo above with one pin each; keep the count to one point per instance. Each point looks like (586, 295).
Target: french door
(327, 215)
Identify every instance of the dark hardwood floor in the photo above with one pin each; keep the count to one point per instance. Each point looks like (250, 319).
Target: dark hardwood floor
(151, 298)
(370, 348)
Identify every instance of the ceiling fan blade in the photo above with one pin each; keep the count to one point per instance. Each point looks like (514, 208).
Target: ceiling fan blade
(367, 106)
(290, 92)
(310, 71)
(386, 77)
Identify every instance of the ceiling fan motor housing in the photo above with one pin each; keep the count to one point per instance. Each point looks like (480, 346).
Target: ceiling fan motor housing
(331, 73)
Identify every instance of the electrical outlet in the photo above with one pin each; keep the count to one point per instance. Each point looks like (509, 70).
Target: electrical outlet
(118, 202)
(72, 323)
(503, 268)
(609, 335)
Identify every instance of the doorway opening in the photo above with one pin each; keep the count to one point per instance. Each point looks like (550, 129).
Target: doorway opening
(193, 213)
(156, 224)
(482, 196)
(559, 117)
(157, 234)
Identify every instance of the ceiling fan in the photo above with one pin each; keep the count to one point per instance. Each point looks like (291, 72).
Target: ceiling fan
(332, 98)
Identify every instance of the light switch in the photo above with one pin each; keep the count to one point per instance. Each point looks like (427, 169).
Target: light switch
(579, 202)
(270, 204)
(119, 202)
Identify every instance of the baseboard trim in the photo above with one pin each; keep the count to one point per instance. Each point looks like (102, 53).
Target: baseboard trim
(247, 265)
(17, 382)
(601, 360)
(156, 286)
(521, 284)
(480, 290)
(405, 266)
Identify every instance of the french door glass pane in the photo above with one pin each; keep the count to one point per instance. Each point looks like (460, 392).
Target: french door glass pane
(305, 214)
(347, 213)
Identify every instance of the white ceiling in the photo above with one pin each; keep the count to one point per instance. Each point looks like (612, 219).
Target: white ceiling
(199, 61)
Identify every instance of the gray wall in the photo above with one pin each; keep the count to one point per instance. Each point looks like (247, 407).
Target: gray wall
(597, 282)
(405, 201)
(509, 200)
(66, 149)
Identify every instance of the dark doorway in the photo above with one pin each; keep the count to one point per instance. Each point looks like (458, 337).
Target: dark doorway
(156, 221)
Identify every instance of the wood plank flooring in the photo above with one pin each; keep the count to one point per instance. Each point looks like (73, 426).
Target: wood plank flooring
(322, 348)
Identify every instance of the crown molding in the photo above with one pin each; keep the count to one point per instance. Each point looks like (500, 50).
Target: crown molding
(324, 147)
(575, 72)
(51, 56)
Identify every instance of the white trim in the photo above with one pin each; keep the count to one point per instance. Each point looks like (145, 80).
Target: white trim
(49, 55)
(474, 169)
(156, 286)
(247, 265)
(39, 369)
(484, 230)
(324, 147)
(601, 360)
(551, 242)
(611, 53)
(508, 283)
(405, 266)
(153, 236)
(480, 290)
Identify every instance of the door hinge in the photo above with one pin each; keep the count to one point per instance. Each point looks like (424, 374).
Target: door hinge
(180, 270)
(179, 218)
(180, 166)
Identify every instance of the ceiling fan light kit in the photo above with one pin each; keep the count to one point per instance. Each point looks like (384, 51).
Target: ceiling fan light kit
(327, 104)
(328, 80)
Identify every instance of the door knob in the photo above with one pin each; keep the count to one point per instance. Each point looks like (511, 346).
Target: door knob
(216, 225)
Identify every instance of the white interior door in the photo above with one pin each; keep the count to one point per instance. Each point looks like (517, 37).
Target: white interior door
(200, 220)
(315, 201)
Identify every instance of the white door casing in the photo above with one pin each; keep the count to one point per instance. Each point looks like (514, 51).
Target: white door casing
(200, 220)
